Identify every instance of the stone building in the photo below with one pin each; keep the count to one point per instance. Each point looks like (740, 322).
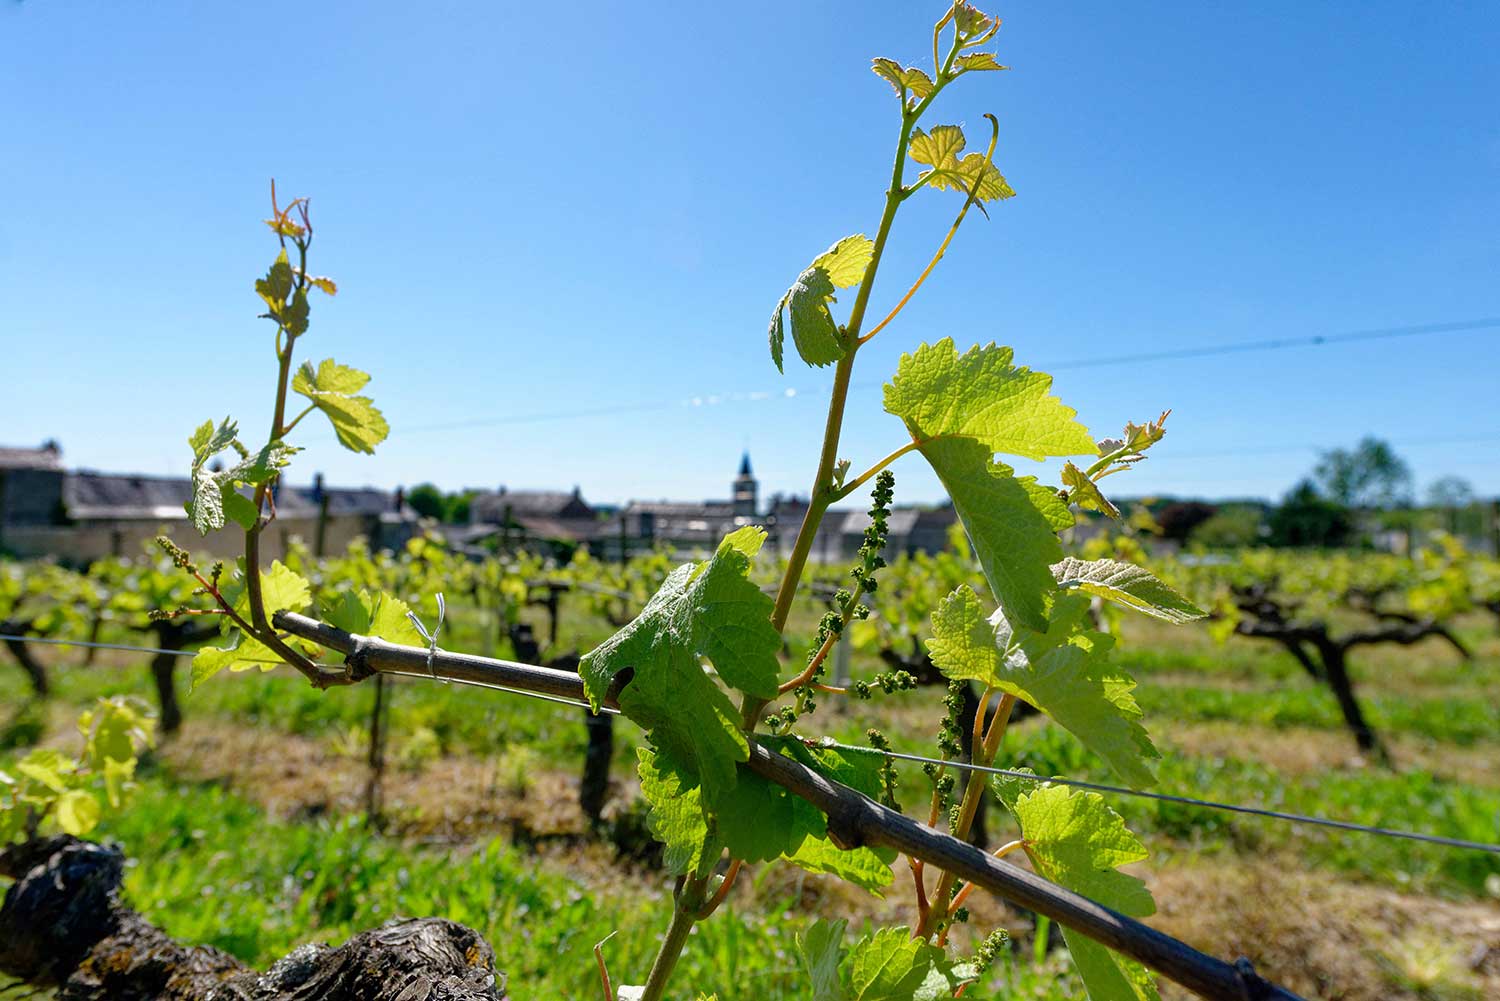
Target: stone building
(82, 515)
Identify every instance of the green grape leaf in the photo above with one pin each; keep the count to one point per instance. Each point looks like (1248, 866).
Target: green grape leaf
(236, 507)
(940, 146)
(47, 766)
(332, 388)
(821, 947)
(1074, 839)
(277, 284)
(676, 818)
(115, 730)
(1085, 492)
(892, 966)
(982, 394)
(758, 820)
(860, 769)
(242, 653)
(960, 409)
(372, 614)
(78, 812)
(294, 316)
(1053, 508)
(1062, 670)
(903, 79)
(1012, 539)
(117, 776)
(214, 498)
(206, 506)
(975, 61)
(1129, 585)
(712, 610)
(939, 150)
(970, 20)
(281, 588)
(260, 467)
(209, 440)
(816, 335)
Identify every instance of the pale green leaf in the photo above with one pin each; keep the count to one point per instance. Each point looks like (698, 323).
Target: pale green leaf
(77, 812)
(708, 610)
(117, 776)
(970, 20)
(676, 819)
(277, 284)
(372, 614)
(1129, 585)
(237, 508)
(47, 766)
(259, 467)
(939, 149)
(1053, 508)
(240, 654)
(813, 330)
(1062, 670)
(820, 946)
(1013, 541)
(332, 388)
(892, 966)
(975, 61)
(281, 589)
(905, 80)
(1074, 839)
(1085, 492)
(846, 261)
(982, 394)
(206, 506)
(116, 729)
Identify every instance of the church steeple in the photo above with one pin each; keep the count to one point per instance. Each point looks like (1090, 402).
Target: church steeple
(746, 490)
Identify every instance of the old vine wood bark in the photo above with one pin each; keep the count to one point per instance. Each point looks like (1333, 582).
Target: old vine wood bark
(64, 926)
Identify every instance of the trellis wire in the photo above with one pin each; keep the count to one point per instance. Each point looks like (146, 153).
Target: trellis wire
(1207, 804)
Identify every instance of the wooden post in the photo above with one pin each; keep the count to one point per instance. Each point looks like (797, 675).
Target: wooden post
(320, 534)
(377, 754)
(554, 597)
(624, 541)
(1495, 528)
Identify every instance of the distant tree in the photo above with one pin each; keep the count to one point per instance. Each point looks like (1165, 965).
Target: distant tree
(1231, 527)
(456, 509)
(1307, 518)
(1452, 497)
(1179, 518)
(427, 500)
(1369, 476)
(1450, 492)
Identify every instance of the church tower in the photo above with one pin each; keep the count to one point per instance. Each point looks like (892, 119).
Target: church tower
(746, 491)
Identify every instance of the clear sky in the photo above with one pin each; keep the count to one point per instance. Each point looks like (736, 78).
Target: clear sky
(556, 226)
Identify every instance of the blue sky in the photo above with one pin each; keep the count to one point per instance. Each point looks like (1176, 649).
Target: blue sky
(531, 217)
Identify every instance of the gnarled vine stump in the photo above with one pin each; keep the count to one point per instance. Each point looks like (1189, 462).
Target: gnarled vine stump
(63, 925)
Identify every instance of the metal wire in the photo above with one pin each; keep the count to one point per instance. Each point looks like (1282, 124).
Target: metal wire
(1206, 804)
(97, 646)
(1256, 811)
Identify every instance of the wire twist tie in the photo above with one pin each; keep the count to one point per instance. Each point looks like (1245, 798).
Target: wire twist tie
(432, 637)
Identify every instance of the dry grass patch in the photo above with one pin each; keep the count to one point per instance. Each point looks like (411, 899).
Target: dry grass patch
(1307, 751)
(1328, 939)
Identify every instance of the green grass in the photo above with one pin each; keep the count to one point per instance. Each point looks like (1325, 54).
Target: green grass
(1451, 719)
(1413, 801)
(211, 868)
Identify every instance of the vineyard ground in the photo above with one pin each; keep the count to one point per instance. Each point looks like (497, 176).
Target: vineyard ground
(246, 835)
